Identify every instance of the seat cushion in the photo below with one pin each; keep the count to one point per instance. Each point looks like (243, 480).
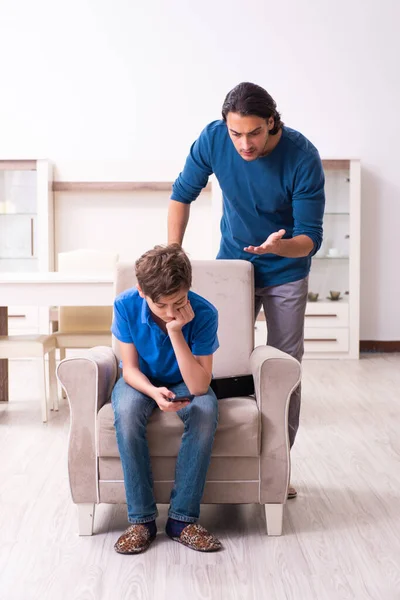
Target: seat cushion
(238, 432)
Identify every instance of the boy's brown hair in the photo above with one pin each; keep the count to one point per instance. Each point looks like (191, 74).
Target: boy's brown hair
(163, 271)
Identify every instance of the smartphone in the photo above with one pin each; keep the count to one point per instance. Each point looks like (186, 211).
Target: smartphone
(187, 398)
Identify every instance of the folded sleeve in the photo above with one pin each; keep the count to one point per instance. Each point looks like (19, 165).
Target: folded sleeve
(308, 201)
(205, 338)
(196, 171)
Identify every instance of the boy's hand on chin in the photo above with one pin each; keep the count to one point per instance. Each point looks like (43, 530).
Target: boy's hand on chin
(184, 315)
(161, 395)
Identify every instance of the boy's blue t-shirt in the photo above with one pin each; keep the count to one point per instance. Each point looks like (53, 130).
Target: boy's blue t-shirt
(133, 324)
(283, 190)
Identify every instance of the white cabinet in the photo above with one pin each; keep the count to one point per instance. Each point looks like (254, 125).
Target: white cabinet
(17, 236)
(332, 325)
(23, 320)
(26, 231)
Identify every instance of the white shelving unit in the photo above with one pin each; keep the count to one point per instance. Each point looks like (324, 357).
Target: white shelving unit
(331, 327)
(26, 232)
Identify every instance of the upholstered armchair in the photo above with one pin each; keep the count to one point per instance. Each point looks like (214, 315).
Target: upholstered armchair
(250, 461)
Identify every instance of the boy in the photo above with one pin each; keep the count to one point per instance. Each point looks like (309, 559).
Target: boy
(167, 336)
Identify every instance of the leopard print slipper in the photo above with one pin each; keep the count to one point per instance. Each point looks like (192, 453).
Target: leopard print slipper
(196, 537)
(134, 540)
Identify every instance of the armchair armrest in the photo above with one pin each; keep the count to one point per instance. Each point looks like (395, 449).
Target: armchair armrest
(276, 375)
(88, 382)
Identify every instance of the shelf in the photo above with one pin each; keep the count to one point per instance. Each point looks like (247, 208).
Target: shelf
(330, 257)
(114, 186)
(18, 165)
(347, 214)
(18, 214)
(325, 301)
(337, 164)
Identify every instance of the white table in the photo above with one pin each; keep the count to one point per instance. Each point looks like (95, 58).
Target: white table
(49, 289)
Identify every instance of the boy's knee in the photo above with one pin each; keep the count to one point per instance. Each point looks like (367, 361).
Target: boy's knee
(130, 407)
(203, 411)
(128, 412)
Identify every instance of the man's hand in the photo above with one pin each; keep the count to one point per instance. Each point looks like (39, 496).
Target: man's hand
(270, 246)
(184, 315)
(161, 395)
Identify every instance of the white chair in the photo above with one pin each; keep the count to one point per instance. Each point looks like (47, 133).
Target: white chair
(84, 326)
(35, 346)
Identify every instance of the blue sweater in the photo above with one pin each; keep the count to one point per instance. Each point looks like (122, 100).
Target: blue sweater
(284, 189)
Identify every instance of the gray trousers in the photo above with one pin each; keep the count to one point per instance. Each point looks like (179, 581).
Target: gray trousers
(284, 308)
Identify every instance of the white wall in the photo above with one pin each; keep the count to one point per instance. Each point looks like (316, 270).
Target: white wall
(91, 80)
(138, 220)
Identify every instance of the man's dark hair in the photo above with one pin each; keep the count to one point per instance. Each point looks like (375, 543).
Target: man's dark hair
(251, 99)
(163, 271)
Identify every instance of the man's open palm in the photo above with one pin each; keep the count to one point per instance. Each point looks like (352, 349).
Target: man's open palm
(270, 246)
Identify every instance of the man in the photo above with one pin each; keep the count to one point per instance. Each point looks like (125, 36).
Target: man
(272, 183)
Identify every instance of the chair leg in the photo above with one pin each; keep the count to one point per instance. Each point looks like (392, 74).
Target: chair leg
(274, 518)
(53, 389)
(43, 390)
(85, 518)
(63, 354)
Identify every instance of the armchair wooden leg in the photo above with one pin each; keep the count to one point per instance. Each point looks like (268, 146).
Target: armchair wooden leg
(274, 518)
(85, 518)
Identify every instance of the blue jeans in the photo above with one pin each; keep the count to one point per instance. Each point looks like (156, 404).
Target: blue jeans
(132, 410)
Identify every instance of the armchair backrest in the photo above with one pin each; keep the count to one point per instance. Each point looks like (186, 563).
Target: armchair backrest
(228, 284)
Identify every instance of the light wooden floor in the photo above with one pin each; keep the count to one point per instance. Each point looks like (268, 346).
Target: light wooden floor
(341, 536)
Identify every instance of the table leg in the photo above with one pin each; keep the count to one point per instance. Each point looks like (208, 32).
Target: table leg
(3, 362)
